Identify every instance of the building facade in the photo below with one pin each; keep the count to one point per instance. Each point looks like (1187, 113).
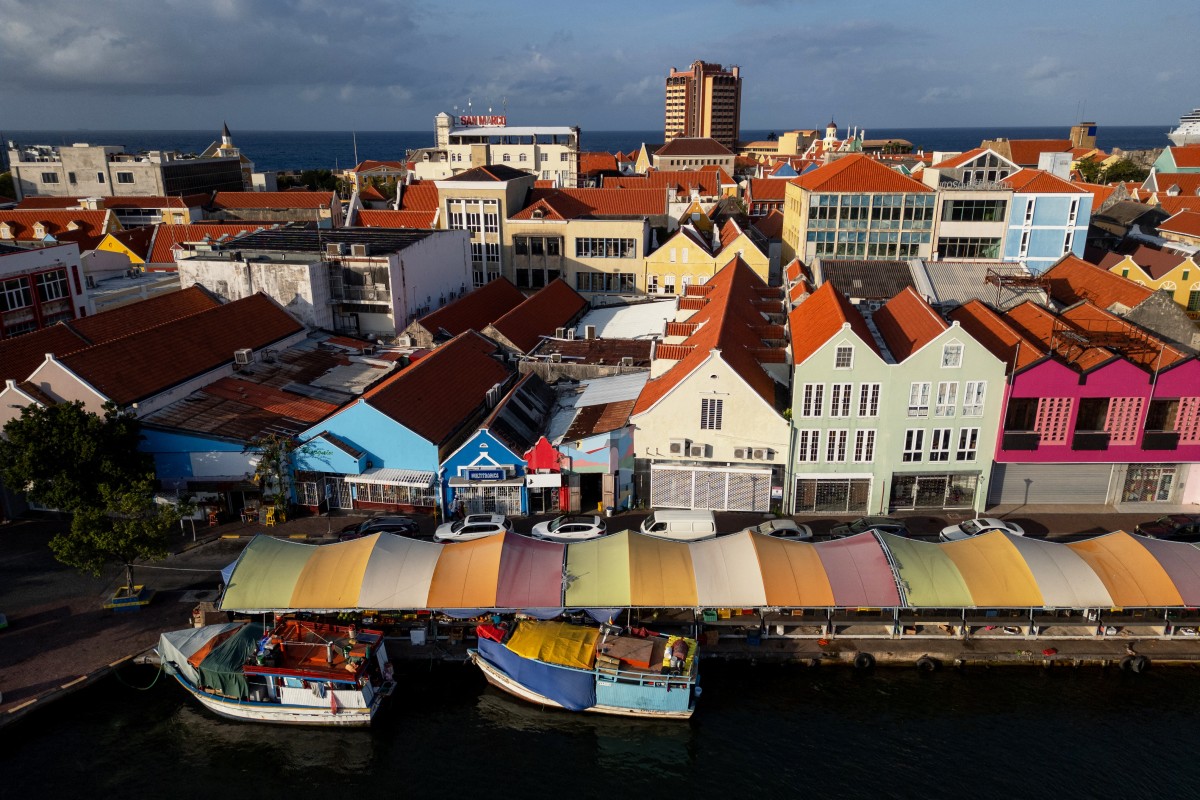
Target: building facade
(39, 288)
(704, 100)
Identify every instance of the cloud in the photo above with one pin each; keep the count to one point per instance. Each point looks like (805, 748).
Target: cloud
(936, 95)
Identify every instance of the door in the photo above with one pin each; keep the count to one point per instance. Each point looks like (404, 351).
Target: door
(337, 493)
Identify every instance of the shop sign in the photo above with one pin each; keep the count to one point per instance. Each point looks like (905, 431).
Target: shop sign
(496, 474)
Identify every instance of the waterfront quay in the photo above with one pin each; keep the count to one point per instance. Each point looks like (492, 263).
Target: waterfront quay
(61, 639)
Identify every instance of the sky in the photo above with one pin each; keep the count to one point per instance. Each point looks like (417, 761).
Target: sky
(394, 64)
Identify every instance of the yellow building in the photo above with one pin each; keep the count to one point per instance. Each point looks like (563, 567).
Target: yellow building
(1161, 270)
(693, 257)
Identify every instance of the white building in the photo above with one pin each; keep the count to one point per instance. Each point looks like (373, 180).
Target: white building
(549, 153)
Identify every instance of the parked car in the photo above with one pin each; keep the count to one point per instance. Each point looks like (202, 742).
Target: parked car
(863, 524)
(570, 528)
(783, 529)
(404, 526)
(974, 527)
(1180, 527)
(473, 526)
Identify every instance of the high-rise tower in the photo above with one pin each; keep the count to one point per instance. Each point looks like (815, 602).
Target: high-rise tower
(704, 100)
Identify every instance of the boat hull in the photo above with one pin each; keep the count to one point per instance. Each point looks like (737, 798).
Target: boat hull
(1180, 139)
(506, 683)
(279, 714)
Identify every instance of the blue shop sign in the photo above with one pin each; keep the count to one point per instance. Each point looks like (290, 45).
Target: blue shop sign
(485, 474)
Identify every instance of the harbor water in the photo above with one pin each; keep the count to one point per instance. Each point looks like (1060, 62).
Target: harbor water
(759, 731)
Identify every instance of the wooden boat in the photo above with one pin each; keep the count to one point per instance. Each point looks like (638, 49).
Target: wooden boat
(298, 673)
(582, 668)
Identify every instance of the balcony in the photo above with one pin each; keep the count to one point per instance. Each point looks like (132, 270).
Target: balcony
(1160, 440)
(1090, 440)
(1021, 440)
(361, 294)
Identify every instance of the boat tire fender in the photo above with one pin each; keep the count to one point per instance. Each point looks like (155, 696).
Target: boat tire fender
(1139, 664)
(927, 664)
(864, 661)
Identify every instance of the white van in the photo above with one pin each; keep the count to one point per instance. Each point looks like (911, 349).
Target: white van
(682, 526)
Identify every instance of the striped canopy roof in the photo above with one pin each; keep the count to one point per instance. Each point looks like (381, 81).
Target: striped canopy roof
(742, 570)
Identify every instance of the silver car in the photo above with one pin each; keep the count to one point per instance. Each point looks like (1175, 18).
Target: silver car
(473, 526)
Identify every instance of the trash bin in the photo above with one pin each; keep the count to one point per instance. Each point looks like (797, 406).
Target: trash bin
(608, 511)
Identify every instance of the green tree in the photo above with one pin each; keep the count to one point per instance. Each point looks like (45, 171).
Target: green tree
(88, 465)
(1089, 170)
(6, 185)
(1125, 170)
(273, 473)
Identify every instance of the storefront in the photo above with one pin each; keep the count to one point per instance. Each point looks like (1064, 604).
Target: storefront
(379, 489)
(715, 488)
(832, 494)
(488, 491)
(947, 490)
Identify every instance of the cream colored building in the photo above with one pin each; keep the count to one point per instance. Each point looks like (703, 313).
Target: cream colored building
(466, 142)
(691, 256)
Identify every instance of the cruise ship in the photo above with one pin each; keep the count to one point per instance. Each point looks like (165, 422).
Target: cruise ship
(1188, 131)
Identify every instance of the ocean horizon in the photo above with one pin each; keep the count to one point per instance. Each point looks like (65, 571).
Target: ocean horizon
(275, 151)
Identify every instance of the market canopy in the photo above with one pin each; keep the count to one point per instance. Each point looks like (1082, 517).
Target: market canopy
(747, 570)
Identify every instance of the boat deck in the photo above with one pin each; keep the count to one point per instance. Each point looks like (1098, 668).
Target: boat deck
(314, 650)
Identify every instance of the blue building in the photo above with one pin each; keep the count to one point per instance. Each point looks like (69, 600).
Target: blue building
(1048, 220)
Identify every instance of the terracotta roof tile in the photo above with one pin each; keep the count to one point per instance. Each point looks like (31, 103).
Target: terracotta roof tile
(167, 237)
(554, 306)
(822, 314)
(765, 189)
(693, 146)
(1173, 205)
(1135, 344)
(1035, 181)
(1072, 279)
(21, 355)
(419, 197)
(1154, 262)
(369, 192)
(681, 182)
(474, 310)
(270, 399)
(597, 162)
(1026, 152)
(369, 166)
(385, 218)
(1048, 329)
(1100, 192)
(591, 420)
(1181, 183)
(1185, 222)
(857, 173)
(436, 396)
(1186, 157)
(996, 334)
(143, 315)
(55, 222)
(907, 323)
(606, 202)
(771, 226)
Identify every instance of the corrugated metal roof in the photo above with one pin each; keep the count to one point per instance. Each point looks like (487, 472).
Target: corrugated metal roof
(958, 282)
(614, 389)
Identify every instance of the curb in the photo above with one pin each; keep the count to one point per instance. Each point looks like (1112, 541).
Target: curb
(19, 712)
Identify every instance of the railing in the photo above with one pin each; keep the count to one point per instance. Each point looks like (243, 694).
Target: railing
(1160, 440)
(651, 679)
(1090, 440)
(361, 294)
(1021, 440)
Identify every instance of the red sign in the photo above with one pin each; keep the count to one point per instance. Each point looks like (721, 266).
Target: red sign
(483, 120)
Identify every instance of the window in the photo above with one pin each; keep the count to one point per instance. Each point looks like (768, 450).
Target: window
(492, 251)
(523, 158)
(474, 221)
(974, 210)
(605, 248)
(507, 158)
(563, 157)
(1162, 415)
(124, 177)
(1193, 303)
(652, 284)
(71, 179)
(813, 400)
(918, 400)
(968, 442)
(491, 222)
(669, 283)
(839, 397)
(864, 446)
(710, 413)
(543, 157)
(868, 400)
(52, 285)
(835, 445)
(456, 220)
(1029, 211)
(947, 399)
(914, 443)
(1093, 411)
(624, 282)
(973, 394)
(477, 251)
(1024, 251)
(953, 247)
(99, 177)
(843, 357)
(808, 445)
(939, 444)
(952, 354)
(49, 177)
(14, 294)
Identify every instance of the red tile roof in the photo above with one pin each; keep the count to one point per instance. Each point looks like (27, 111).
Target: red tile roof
(143, 315)
(731, 322)
(857, 173)
(1035, 181)
(554, 306)
(819, 318)
(693, 146)
(419, 197)
(764, 189)
(369, 192)
(268, 398)
(166, 237)
(474, 310)
(1147, 351)
(562, 204)
(771, 226)
(186, 201)
(301, 199)
(1185, 222)
(388, 166)
(1186, 157)
(55, 222)
(907, 323)
(136, 240)
(995, 333)
(597, 162)
(1025, 152)
(795, 271)
(1100, 193)
(722, 175)
(1173, 205)
(681, 182)
(1182, 183)
(1041, 325)
(1072, 279)
(144, 363)
(384, 218)
(21, 355)
(436, 396)
(1154, 262)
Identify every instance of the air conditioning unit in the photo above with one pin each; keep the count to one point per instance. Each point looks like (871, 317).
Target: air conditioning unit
(589, 331)
(762, 455)
(334, 249)
(358, 249)
(243, 356)
(626, 361)
(560, 333)
(556, 357)
(740, 452)
(404, 340)
(698, 451)
(679, 447)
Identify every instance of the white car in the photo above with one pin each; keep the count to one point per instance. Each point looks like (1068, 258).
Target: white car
(974, 527)
(570, 528)
(473, 526)
(783, 529)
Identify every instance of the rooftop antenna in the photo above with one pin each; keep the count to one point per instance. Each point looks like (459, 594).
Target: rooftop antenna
(354, 135)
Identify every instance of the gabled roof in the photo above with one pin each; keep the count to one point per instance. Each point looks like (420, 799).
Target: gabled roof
(693, 146)
(389, 166)
(1072, 279)
(1100, 193)
(385, 218)
(820, 317)
(857, 173)
(907, 323)
(562, 204)
(1026, 152)
(150, 361)
(474, 310)
(864, 280)
(765, 189)
(136, 240)
(21, 355)
(1133, 343)
(730, 320)
(1186, 157)
(771, 226)
(1035, 181)
(1154, 262)
(304, 199)
(1186, 223)
(554, 306)
(55, 223)
(495, 173)
(520, 418)
(1173, 205)
(167, 237)
(1181, 183)
(369, 192)
(435, 396)
(995, 333)
(963, 158)
(1045, 328)
(419, 197)
(679, 181)
(596, 162)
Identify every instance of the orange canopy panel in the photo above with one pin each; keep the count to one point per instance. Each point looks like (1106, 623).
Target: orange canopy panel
(333, 575)
(995, 573)
(467, 573)
(660, 573)
(793, 574)
(1133, 576)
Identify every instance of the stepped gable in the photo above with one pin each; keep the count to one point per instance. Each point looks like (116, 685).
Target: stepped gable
(728, 320)
(554, 306)
(907, 323)
(150, 360)
(857, 173)
(994, 332)
(436, 395)
(1072, 279)
(818, 319)
(474, 310)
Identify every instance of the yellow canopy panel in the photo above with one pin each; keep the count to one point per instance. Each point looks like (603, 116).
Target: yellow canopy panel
(994, 571)
(792, 574)
(1131, 574)
(467, 573)
(333, 575)
(556, 643)
(660, 573)
(598, 572)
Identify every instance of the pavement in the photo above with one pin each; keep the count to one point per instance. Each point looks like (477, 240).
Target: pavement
(60, 638)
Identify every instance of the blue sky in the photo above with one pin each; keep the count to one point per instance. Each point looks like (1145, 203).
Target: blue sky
(394, 64)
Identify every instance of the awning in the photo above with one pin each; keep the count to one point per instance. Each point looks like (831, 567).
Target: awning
(395, 477)
(543, 481)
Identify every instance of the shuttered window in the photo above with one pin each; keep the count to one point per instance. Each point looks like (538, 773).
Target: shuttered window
(711, 410)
